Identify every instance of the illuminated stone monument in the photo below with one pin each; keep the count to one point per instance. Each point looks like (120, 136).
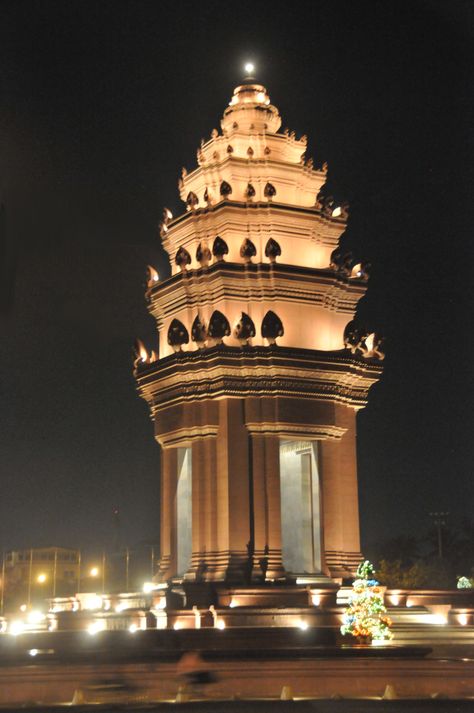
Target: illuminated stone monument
(261, 370)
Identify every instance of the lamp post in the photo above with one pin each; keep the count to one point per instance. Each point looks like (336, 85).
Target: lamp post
(3, 583)
(55, 571)
(127, 566)
(439, 521)
(79, 572)
(30, 572)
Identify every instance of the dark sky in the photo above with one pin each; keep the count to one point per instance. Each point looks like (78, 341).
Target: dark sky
(101, 105)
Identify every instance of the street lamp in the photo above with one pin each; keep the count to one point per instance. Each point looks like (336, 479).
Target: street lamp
(97, 571)
(439, 521)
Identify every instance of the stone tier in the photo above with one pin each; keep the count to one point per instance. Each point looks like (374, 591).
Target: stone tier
(295, 184)
(235, 143)
(251, 151)
(313, 305)
(221, 371)
(305, 236)
(250, 111)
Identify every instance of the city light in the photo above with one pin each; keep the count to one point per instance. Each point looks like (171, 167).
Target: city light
(249, 68)
(438, 619)
(35, 617)
(133, 628)
(92, 601)
(41, 578)
(33, 652)
(94, 572)
(177, 626)
(220, 624)
(303, 625)
(16, 627)
(95, 627)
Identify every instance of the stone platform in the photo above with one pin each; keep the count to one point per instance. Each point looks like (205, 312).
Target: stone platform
(254, 647)
(49, 667)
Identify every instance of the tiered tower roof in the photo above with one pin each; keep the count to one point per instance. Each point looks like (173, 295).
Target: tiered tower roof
(252, 163)
(257, 241)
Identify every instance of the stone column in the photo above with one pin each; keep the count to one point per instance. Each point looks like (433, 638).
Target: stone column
(265, 474)
(198, 564)
(168, 485)
(233, 512)
(350, 494)
(340, 496)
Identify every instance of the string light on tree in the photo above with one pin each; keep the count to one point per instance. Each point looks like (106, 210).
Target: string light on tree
(366, 616)
(465, 583)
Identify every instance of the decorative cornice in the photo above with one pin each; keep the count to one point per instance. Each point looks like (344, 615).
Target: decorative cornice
(298, 430)
(257, 283)
(257, 371)
(256, 207)
(186, 435)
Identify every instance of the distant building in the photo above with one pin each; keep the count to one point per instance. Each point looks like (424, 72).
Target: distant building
(37, 573)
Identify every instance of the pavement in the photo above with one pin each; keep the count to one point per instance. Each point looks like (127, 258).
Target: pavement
(440, 705)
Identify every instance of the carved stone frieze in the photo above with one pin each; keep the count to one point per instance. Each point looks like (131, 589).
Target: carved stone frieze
(227, 371)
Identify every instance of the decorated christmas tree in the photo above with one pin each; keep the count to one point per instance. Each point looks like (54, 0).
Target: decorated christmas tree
(366, 616)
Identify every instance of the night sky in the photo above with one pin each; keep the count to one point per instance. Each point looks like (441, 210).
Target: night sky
(101, 104)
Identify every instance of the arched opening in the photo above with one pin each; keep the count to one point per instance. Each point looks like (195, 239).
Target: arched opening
(300, 506)
(184, 510)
